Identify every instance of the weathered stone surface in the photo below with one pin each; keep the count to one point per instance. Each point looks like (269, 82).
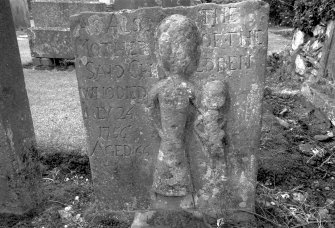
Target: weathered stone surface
(50, 43)
(141, 110)
(19, 168)
(298, 39)
(135, 4)
(300, 66)
(56, 13)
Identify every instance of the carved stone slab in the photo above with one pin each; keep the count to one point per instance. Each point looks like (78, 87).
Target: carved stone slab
(131, 4)
(50, 36)
(117, 70)
(53, 13)
(19, 163)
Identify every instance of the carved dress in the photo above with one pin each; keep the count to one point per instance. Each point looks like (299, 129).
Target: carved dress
(172, 175)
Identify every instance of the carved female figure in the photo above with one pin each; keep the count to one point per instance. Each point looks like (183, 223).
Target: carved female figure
(178, 53)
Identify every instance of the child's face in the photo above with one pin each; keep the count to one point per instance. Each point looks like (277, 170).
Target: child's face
(214, 95)
(213, 100)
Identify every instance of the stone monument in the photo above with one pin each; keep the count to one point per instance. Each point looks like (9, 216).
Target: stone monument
(49, 37)
(171, 100)
(19, 163)
(135, 4)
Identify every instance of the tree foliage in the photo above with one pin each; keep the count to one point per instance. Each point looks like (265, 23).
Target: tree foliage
(309, 13)
(281, 12)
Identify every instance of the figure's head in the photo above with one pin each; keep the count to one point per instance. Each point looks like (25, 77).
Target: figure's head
(214, 94)
(178, 45)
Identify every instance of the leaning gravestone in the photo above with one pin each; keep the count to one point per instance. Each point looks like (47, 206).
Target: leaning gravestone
(171, 100)
(19, 167)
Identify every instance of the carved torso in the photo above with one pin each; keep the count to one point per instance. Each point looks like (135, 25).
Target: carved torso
(174, 103)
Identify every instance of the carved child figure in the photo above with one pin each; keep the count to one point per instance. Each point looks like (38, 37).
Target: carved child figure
(178, 54)
(212, 134)
(209, 128)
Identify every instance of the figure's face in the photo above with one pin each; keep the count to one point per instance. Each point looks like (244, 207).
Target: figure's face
(179, 45)
(213, 95)
(213, 101)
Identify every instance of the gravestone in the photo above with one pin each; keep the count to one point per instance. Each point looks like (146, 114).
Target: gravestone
(19, 167)
(135, 4)
(50, 36)
(171, 101)
(319, 89)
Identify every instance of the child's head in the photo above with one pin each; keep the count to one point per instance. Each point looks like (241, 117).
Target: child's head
(214, 95)
(178, 45)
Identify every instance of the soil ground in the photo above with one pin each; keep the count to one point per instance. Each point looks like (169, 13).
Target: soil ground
(296, 178)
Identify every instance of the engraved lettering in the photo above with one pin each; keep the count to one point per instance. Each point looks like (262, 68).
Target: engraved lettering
(95, 50)
(235, 38)
(137, 25)
(206, 40)
(210, 16)
(125, 112)
(92, 71)
(110, 149)
(217, 39)
(103, 132)
(259, 37)
(85, 112)
(221, 64)
(246, 61)
(90, 93)
(108, 93)
(234, 62)
(233, 15)
(123, 150)
(135, 69)
(117, 92)
(119, 150)
(123, 27)
(127, 150)
(97, 148)
(113, 24)
(120, 93)
(102, 113)
(123, 131)
(117, 71)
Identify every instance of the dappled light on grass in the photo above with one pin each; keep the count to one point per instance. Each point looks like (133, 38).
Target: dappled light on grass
(56, 112)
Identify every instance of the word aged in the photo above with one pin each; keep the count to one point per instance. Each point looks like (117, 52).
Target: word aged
(121, 150)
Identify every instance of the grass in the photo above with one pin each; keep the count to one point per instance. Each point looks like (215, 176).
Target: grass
(55, 108)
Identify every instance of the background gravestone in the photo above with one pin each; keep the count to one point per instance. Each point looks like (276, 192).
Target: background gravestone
(50, 35)
(19, 167)
(116, 69)
(135, 4)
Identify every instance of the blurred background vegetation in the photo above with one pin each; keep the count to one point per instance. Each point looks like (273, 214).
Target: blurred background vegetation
(302, 14)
